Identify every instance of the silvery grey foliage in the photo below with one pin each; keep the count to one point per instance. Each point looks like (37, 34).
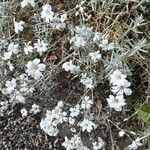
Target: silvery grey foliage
(90, 46)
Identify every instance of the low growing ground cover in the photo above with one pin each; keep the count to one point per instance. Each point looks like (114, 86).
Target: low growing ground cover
(74, 74)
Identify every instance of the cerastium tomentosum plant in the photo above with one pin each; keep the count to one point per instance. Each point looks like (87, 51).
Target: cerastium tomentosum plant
(93, 45)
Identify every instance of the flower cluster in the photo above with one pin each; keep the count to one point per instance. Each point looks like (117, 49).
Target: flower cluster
(105, 45)
(47, 13)
(40, 46)
(69, 66)
(10, 86)
(24, 112)
(55, 20)
(12, 49)
(53, 118)
(97, 145)
(102, 41)
(74, 112)
(34, 110)
(87, 81)
(86, 103)
(24, 3)
(18, 26)
(58, 116)
(16, 89)
(90, 46)
(120, 86)
(3, 107)
(95, 56)
(83, 34)
(28, 48)
(24, 88)
(74, 143)
(87, 124)
(10, 90)
(135, 144)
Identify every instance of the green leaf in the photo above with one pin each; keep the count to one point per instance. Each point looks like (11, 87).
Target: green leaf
(144, 113)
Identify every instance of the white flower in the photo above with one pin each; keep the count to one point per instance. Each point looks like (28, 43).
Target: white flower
(78, 41)
(135, 144)
(23, 77)
(116, 102)
(18, 26)
(83, 34)
(87, 81)
(76, 141)
(60, 104)
(63, 17)
(117, 77)
(84, 31)
(120, 84)
(67, 144)
(26, 2)
(95, 56)
(68, 66)
(40, 46)
(86, 103)
(98, 145)
(58, 114)
(87, 124)
(35, 109)
(24, 112)
(28, 48)
(46, 126)
(12, 47)
(74, 144)
(121, 133)
(7, 55)
(0, 86)
(19, 97)
(24, 86)
(47, 13)
(50, 122)
(10, 86)
(122, 87)
(29, 90)
(57, 23)
(55, 123)
(3, 106)
(11, 67)
(71, 120)
(105, 45)
(74, 112)
(97, 37)
(16, 97)
(73, 130)
(34, 68)
(62, 117)
(84, 148)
